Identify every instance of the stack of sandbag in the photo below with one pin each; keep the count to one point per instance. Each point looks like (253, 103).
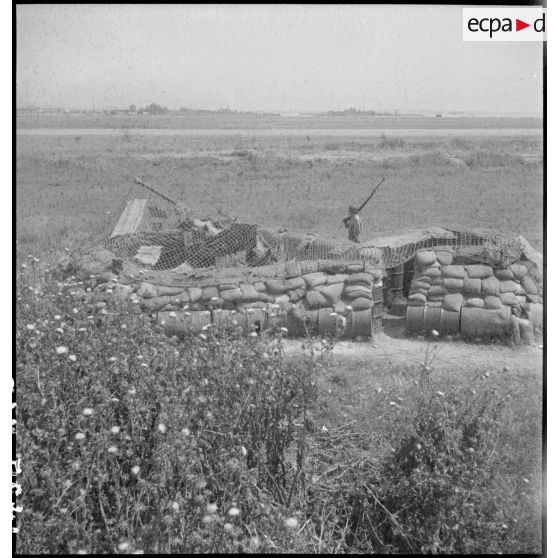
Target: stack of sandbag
(438, 282)
(333, 300)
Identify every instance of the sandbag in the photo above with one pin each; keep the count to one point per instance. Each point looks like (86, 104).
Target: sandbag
(314, 279)
(360, 278)
(232, 295)
(260, 286)
(472, 286)
(437, 290)
(264, 297)
(295, 283)
(354, 291)
(355, 267)
(437, 281)
(416, 298)
(529, 285)
(420, 285)
(276, 286)
(479, 322)
(333, 292)
(453, 302)
(490, 286)
(163, 290)
(425, 258)
(292, 269)
(337, 278)
(423, 279)
(519, 270)
(444, 257)
(475, 302)
(414, 290)
(147, 290)
(315, 299)
(434, 304)
(453, 271)
(195, 294)
(509, 299)
(521, 300)
(296, 295)
(509, 287)
(536, 299)
(227, 287)
(208, 293)
(479, 271)
(492, 302)
(154, 304)
(504, 274)
(361, 304)
(432, 272)
(249, 293)
(452, 284)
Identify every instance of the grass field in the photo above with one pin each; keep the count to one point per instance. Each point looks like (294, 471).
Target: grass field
(67, 185)
(134, 442)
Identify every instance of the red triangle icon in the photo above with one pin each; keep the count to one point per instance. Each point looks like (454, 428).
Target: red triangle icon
(519, 25)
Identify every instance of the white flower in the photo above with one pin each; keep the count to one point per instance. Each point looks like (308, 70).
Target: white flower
(115, 430)
(172, 314)
(393, 404)
(132, 391)
(253, 334)
(162, 428)
(234, 512)
(284, 330)
(112, 359)
(135, 470)
(434, 333)
(30, 327)
(82, 329)
(228, 527)
(202, 336)
(123, 546)
(23, 266)
(440, 393)
(57, 317)
(109, 291)
(292, 522)
(186, 431)
(379, 390)
(211, 508)
(112, 449)
(59, 330)
(349, 308)
(73, 358)
(175, 506)
(80, 436)
(61, 350)
(87, 411)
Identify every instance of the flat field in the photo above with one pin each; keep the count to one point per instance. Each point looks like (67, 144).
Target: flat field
(72, 186)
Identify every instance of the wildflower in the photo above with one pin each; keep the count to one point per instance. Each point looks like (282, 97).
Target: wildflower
(207, 519)
(57, 317)
(228, 527)
(254, 542)
(109, 291)
(112, 449)
(172, 314)
(80, 436)
(61, 350)
(419, 447)
(115, 430)
(253, 334)
(132, 391)
(82, 329)
(506, 368)
(162, 428)
(265, 356)
(123, 546)
(292, 522)
(73, 358)
(202, 336)
(214, 299)
(87, 411)
(393, 404)
(349, 308)
(186, 431)
(82, 551)
(243, 451)
(23, 266)
(486, 374)
(175, 506)
(333, 314)
(211, 508)
(59, 330)
(526, 481)
(234, 512)
(30, 327)
(434, 333)
(440, 393)
(114, 400)
(379, 390)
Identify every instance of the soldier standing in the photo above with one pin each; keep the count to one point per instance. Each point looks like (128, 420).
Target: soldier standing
(354, 224)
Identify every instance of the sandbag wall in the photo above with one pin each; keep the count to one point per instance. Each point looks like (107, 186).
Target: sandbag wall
(473, 299)
(322, 301)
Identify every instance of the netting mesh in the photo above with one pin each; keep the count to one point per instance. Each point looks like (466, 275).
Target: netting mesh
(171, 241)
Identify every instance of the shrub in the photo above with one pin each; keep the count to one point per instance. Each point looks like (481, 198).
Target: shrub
(134, 441)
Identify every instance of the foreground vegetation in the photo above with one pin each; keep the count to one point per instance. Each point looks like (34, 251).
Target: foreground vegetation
(134, 442)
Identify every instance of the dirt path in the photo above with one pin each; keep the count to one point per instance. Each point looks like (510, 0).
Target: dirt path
(392, 345)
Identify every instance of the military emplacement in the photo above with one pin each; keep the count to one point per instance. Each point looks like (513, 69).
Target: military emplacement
(189, 271)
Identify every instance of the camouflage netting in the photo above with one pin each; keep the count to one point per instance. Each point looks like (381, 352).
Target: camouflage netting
(162, 242)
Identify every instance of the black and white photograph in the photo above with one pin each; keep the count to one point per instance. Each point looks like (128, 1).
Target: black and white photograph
(279, 278)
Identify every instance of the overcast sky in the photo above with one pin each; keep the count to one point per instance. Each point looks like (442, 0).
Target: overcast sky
(257, 57)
